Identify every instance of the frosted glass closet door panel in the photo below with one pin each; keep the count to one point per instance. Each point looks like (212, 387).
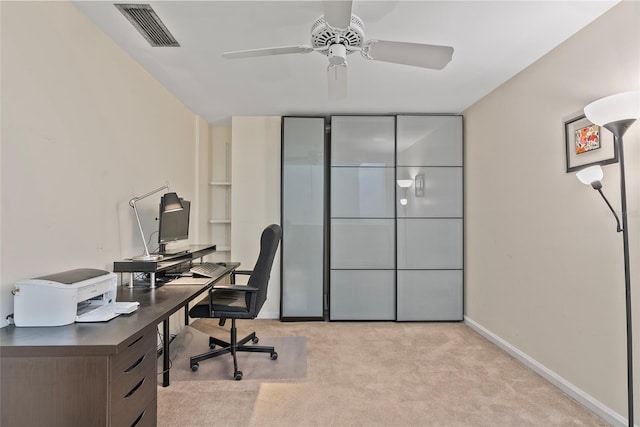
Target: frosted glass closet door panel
(430, 295)
(429, 243)
(362, 192)
(363, 295)
(440, 195)
(362, 243)
(429, 140)
(303, 220)
(302, 271)
(362, 141)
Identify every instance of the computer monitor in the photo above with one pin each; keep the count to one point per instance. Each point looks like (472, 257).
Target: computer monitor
(174, 225)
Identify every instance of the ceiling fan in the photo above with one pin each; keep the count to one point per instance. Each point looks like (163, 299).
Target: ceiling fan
(339, 33)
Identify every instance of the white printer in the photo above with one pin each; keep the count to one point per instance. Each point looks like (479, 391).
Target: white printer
(83, 294)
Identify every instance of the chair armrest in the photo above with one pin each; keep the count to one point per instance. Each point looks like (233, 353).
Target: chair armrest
(234, 288)
(245, 272)
(232, 275)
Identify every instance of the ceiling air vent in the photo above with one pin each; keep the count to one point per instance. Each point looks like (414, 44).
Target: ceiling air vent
(144, 18)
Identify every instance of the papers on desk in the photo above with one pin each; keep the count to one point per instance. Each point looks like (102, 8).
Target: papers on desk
(189, 281)
(125, 307)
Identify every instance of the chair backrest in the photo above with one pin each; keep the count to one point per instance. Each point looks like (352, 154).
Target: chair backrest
(259, 278)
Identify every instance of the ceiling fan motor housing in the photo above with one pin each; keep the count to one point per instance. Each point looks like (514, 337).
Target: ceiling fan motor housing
(323, 36)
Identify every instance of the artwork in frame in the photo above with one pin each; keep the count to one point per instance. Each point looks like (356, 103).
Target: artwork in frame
(587, 144)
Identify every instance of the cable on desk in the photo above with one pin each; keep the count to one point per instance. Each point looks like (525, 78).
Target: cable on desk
(149, 241)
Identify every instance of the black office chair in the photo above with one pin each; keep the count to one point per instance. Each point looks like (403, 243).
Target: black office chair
(240, 302)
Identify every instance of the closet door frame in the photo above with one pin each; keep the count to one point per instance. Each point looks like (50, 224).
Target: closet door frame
(325, 227)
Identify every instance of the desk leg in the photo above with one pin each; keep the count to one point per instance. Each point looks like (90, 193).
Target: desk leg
(186, 314)
(130, 280)
(165, 352)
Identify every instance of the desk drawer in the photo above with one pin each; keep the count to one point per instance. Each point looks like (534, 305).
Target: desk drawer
(134, 381)
(137, 348)
(128, 406)
(148, 417)
(126, 383)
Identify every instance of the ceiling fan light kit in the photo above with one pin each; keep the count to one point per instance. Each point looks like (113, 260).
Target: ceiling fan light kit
(337, 54)
(339, 33)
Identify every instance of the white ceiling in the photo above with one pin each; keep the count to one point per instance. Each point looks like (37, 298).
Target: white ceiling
(493, 41)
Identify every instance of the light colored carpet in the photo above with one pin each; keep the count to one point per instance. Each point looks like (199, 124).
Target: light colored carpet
(291, 361)
(377, 374)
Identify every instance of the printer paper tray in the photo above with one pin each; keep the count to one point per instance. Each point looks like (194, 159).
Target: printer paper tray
(104, 313)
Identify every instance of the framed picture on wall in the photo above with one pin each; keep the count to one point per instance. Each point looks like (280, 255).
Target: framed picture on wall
(587, 144)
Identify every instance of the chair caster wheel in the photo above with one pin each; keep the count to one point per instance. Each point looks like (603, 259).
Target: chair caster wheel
(194, 367)
(237, 375)
(274, 355)
(255, 340)
(212, 346)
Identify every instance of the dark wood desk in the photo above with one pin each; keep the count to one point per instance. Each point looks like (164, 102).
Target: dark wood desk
(92, 373)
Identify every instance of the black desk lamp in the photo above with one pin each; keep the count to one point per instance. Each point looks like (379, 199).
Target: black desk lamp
(617, 113)
(171, 204)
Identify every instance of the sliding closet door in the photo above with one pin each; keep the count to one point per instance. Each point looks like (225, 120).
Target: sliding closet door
(430, 223)
(362, 278)
(303, 193)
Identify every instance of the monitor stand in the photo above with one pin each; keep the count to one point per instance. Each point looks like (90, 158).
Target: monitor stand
(171, 252)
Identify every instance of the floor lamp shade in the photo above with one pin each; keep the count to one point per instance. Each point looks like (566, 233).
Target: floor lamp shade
(622, 106)
(590, 175)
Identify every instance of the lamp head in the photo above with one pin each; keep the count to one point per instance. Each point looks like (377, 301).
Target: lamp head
(405, 183)
(172, 202)
(616, 112)
(591, 176)
(403, 202)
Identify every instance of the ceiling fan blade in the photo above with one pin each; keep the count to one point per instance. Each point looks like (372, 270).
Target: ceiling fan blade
(415, 54)
(337, 14)
(337, 78)
(285, 50)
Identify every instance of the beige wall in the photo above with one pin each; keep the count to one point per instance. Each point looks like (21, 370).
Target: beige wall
(84, 129)
(544, 264)
(255, 195)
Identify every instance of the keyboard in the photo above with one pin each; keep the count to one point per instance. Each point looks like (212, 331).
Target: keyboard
(208, 269)
(106, 312)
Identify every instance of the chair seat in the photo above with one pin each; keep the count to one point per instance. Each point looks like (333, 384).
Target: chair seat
(221, 304)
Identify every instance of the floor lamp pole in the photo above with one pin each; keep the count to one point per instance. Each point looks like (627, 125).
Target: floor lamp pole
(627, 277)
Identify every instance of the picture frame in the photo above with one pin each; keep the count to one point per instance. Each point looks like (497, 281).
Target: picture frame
(587, 144)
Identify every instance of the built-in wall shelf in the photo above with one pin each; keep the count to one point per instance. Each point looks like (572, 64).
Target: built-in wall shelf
(220, 190)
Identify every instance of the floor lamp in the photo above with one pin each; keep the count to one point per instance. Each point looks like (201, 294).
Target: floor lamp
(617, 113)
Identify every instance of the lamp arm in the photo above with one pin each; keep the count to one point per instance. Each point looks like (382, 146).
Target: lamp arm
(618, 229)
(133, 202)
(144, 241)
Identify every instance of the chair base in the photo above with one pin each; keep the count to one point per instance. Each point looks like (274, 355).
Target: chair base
(233, 347)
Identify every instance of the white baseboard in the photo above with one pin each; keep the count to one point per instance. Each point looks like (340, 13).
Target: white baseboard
(576, 393)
